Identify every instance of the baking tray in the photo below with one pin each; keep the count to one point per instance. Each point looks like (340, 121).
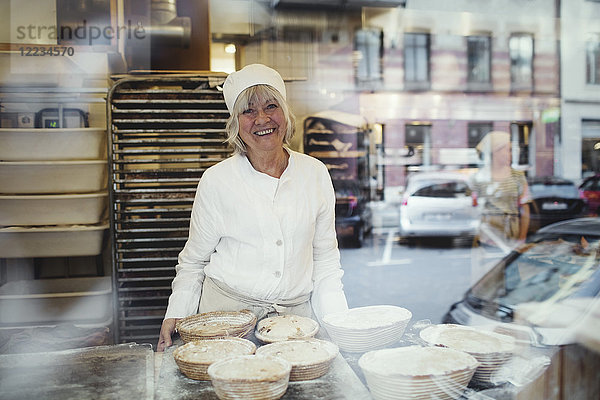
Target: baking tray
(52, 241)
(37, 177)
(52, 144)
(50, 300)
(53, 209)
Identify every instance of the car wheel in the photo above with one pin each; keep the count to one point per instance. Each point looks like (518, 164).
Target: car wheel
(359, 236)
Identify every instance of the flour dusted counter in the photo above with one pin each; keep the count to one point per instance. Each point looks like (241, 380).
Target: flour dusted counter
(339, 383)
(136, 372)
(103, 372)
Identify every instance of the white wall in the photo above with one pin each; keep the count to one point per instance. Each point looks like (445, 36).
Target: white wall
(579, 100)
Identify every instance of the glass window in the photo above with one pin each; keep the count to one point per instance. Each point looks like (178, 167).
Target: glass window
(521, 61)
(368, 53)
(590, 155)
(416, 58)
(592, 59)
(553, 267)
(521, 135)
(479, 59)
(447, 189)
(418, 141)
(476, 132)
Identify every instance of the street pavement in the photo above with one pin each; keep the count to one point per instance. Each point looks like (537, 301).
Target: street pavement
(426, 277)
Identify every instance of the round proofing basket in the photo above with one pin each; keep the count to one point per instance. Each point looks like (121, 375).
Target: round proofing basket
(413, 372)
(315, 359)
(491, 349)
(250, 377)
(300, 328)
(489, 367)
(211, 351)
(216, 324)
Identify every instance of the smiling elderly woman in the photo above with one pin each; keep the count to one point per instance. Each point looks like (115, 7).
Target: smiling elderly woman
(262, 232)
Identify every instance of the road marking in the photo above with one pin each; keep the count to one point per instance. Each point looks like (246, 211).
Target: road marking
(402, 261)
(386, 257)
(389, 243)
(469, 255)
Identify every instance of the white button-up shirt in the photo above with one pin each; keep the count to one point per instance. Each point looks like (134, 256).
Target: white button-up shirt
(267, 238)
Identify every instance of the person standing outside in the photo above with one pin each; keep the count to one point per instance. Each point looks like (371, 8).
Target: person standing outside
(504, 198)
(262, 231)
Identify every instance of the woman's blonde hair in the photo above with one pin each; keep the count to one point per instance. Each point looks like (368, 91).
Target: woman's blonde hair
(253, 95)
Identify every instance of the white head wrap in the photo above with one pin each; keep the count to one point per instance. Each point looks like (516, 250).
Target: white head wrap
(250, 75)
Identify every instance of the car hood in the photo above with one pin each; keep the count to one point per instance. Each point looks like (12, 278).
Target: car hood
(538, 325)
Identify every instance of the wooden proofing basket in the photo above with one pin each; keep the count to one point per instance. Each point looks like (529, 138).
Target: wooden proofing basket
(216, 324)
(194, 358)
(250, 377)
(310, 358)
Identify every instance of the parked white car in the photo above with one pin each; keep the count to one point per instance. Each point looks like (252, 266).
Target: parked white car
(439, 204)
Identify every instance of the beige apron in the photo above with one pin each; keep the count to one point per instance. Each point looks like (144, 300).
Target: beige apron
(216, 296)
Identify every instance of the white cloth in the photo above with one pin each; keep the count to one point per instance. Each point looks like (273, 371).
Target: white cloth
(250, 75)
(265, 237)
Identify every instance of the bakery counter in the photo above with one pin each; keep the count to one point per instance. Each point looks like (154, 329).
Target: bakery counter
(104, 372)
(341, 382)
(136, 372)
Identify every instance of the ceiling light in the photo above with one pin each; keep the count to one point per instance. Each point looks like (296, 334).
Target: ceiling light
(230, 48)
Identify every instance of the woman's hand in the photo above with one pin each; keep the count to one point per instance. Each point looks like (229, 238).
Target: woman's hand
(166, 331)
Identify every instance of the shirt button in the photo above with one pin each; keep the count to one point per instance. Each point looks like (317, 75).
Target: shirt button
(279, 242)
(277, 274)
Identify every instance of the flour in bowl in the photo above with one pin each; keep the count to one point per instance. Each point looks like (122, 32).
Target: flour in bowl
(417, 361)
(368, 317)
(468, 339)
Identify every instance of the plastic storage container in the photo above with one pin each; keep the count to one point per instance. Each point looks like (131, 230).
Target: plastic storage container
(53, 209)
(37, 177)
(50, 300)
(52, 144)
(51, 241)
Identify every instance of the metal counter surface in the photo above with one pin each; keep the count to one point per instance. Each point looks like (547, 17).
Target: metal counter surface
(339, 383)
(104, 372)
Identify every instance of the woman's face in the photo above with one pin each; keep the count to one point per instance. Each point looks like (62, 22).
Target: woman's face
(262, 125)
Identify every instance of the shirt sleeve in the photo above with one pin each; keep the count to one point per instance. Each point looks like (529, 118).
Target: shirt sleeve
(328, 294)
(201, 243)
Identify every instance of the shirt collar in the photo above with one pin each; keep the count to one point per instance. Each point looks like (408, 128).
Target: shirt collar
(249, 169)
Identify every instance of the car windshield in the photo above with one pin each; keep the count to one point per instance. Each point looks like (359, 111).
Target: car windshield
(444, 189)
(558, 190)
(545, 271)
(592, 184)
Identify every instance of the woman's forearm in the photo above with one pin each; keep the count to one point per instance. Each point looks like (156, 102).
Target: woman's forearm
(524, 222)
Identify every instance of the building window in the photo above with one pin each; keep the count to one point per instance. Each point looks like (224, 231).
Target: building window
(521, 61)
(416, 61)
(592, 59)
(479, 62)
(368, 57)
(476, 132)
(590, 148)
(417, 142)
(521, 135)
